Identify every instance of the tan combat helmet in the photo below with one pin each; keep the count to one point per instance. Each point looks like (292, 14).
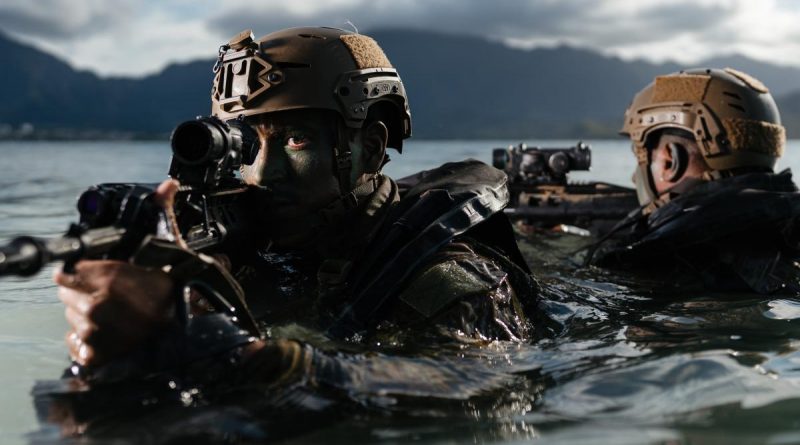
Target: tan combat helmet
(732, 116)
(297, 68)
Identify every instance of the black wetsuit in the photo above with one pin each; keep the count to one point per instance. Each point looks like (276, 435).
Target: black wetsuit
(430, 262)
(736, 233)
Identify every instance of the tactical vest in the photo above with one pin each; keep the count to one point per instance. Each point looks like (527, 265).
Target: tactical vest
(457, 199)
(744, 224)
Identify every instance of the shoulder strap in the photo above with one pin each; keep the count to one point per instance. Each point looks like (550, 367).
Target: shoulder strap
(436, 217)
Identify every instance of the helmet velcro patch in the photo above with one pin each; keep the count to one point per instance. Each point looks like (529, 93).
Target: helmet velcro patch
(680, 88)
(755, 136)
(751, 81)
(365, 51)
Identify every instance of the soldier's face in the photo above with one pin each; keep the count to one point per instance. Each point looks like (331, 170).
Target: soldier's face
(296, 162)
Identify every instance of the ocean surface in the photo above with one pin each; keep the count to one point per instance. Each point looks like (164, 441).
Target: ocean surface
(634, 367)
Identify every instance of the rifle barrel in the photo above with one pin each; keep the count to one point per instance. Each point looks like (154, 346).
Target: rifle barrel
(566, 211)
(26, 255)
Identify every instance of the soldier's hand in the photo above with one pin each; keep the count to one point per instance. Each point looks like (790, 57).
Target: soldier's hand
(112, 307)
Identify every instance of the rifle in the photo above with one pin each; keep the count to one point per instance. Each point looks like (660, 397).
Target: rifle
(543, 197)
(122, 221)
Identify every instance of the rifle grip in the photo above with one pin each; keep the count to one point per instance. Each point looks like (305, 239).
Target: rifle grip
(69, 266)
(201, 272)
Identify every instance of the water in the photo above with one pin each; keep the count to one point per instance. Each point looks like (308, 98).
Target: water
(634, 365)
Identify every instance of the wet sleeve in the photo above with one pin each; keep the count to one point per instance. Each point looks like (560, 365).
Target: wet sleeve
(467, 295)
(458, 315)
(378, 377)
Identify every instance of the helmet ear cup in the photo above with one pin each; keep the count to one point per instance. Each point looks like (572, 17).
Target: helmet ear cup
(680, 161)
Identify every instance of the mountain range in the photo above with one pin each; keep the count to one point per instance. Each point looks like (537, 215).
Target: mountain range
(459, 87)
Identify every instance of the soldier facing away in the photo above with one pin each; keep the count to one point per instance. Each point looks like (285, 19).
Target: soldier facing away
(713, 210)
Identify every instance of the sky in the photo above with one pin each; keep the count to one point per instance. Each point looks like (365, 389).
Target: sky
(140, 37)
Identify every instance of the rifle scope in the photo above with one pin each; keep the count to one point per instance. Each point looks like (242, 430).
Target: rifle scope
(207, 150)
(207, 140)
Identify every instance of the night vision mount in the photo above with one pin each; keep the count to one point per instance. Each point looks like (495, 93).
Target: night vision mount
(536, 165)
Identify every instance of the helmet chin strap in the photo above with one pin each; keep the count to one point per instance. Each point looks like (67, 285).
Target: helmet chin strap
(645, 192)
(350, 196)
(343, 157)
(682, 186)
(649, 199)
(325, 221)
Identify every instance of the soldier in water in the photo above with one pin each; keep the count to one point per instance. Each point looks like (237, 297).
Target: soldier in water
(714, 212)
(348, 251)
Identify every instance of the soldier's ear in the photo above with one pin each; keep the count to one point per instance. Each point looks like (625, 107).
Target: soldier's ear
(678, 159)
(374, 137)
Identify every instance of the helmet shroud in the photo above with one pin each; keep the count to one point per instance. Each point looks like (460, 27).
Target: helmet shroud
(731, 115)
(308, 68)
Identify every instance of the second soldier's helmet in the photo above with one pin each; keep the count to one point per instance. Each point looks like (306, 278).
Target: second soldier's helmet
(730, 114)
(308, 68)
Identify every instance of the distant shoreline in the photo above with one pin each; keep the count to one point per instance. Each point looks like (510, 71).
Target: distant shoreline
(94, 135)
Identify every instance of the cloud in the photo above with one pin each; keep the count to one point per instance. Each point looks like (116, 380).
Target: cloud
(166, 41)
(603, 23)
(63, 19)
(453, 16)
(658, 30)
(765, 30)
(141, 36)
(119, 38)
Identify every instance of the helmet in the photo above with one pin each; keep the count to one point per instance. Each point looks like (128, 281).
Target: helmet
(299, 68)
(731, 115)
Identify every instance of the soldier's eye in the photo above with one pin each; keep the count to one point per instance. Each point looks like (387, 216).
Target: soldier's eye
(296, 141)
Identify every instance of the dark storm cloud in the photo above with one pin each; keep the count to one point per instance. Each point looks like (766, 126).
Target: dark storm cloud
(659, 23)
(599, 24)
(21, 22)
(685, 16)
(465, 16)
(62, 19)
